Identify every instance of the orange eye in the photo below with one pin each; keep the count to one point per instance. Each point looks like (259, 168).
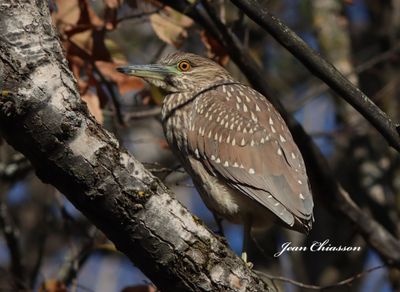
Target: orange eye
(184, 66)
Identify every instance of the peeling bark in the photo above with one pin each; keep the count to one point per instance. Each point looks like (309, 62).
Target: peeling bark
(44, 119)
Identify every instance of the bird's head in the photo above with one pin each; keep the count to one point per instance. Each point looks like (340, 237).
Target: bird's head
(179, 72)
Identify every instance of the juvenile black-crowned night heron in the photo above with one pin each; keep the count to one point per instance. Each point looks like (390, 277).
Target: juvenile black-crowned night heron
(233, 143)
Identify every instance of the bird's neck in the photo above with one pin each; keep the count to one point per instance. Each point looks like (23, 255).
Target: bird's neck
(176, 100)
(173, 101)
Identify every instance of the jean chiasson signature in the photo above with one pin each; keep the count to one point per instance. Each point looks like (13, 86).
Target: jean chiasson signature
(316, 246)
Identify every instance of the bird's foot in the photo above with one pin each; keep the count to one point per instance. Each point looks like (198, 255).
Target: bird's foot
(244, 258)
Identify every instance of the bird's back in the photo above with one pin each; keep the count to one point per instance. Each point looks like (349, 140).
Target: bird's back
(231, 135)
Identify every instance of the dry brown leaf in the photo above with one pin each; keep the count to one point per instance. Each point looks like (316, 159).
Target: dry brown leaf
(171, 26)
(88, 15)
(84, 44)
(93, 104)
(67, 14)
(75, 20)
(125, 83)
(214, 49)
(83, 40)
(163, 144)
(75, 16)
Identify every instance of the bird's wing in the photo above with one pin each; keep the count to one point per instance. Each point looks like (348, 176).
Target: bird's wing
(237, 134)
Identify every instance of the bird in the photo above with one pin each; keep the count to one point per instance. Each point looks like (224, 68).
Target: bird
(233, 143)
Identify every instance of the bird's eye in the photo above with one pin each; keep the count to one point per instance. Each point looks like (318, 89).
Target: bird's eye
(184, 66)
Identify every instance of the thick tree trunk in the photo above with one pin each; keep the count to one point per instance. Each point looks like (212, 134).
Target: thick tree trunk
(41, 115)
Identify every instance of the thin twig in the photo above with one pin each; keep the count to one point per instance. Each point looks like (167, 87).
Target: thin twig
(43, 234)
(15, 169)
(141, 14)
(184, 185)
(316, 287)
(159, 52)
(316, 91)
(11, 236)
(114, 98)
(142, 114)
(322, 69)
(39, 259)
(69, 271)
(164, 169)
(324, 185)
(156, 168)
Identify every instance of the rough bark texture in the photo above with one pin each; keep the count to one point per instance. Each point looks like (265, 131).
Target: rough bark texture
(44, 119)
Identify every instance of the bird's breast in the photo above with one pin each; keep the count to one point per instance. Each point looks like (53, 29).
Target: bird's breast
(175, 124)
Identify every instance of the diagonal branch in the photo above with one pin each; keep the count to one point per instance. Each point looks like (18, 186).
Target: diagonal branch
(346, 282)
(316, 90)
(322, 69)
(323, 182)
(46, 121)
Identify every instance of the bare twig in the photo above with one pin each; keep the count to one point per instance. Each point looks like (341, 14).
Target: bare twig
(322, 69)
(69, 271)
(184, 185)
(324, 185)
(15, 169)
(347, 281)
(316, 91)
(114, 98)
(142, 114)
(43, 234)
(109, 86)
(39, 259)
(141, 14)
(156, 167)
(12, 238)
(158, 53)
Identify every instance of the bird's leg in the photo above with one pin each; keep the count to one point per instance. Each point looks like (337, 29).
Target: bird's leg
(218, 221)
(246, 230)
(246, 237)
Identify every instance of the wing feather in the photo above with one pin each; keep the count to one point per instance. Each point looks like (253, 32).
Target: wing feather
(249, 145)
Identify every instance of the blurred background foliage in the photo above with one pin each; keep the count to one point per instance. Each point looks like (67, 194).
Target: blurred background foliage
(47, 245)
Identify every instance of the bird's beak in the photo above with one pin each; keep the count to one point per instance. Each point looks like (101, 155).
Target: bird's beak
(153, 71)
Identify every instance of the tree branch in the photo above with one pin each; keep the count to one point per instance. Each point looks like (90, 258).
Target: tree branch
(323, 182)
(346, 282)
(316, 90)
(46, 121)
(322, 69)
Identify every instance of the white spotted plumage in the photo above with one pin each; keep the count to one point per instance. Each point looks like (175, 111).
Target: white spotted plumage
(243, 149)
